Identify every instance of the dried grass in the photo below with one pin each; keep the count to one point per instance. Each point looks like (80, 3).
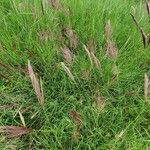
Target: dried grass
(14, 131)
(67, 54)
(36, 83)
(67, 70)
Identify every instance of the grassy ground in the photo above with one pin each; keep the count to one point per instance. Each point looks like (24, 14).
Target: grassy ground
(28, 32)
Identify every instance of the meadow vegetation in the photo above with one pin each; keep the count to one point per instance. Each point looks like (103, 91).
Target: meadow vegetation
(74, 74)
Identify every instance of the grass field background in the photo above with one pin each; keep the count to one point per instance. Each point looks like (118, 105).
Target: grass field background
(32, 31)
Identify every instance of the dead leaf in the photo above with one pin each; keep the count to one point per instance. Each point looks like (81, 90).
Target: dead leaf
(99, 103)
(73, 39)
(67, 54)
(36, 85)
(146, 87)
(68, 72)
(91, 45)
(14, 131)
(111, 50)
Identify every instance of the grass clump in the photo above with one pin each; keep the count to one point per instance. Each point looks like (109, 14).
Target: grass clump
(91, 59)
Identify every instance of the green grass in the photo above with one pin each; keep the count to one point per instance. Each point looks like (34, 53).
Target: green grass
(53, 127)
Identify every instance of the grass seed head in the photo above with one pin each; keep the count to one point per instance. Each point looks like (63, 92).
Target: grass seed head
(76, 117)
(73, 39)
(67, 54)
(54, 4)
(96, 61)
(99, 103)
(91, 45)
(146, 87)
(89, 54)
(108, 30)
(14, 131)
(67, 70)
(111, 50)
(36, 85)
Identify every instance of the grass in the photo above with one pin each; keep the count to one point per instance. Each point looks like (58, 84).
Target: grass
(124, 121)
